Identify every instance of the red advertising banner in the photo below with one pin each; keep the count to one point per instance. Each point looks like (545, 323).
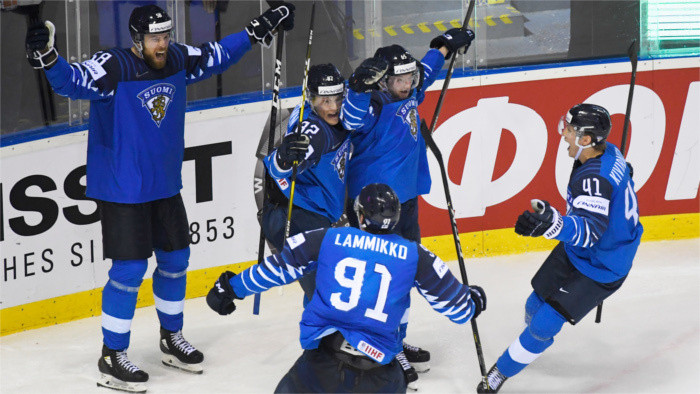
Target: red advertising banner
(502, 147)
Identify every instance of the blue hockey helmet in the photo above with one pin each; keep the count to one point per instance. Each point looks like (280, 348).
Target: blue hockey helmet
(379, 207)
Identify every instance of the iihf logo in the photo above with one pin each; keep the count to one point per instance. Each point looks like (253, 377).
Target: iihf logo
(156, 99)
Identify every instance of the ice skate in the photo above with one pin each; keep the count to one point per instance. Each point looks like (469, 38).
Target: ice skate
(419, 358)
(408, 371)
(495, 380)
(118, 373)
(178, 353)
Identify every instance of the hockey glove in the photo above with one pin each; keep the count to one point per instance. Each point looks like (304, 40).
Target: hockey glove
(294, 147)
(479, 297)
(455, 40)
(220, 297)
(261, 28)
(39, 44)
(367, 75)
(544, 221)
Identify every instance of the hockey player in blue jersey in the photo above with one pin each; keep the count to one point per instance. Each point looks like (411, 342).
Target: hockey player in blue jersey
(322, 149)
(599, 236)
(382, 108)
(350, 329)
(134, 162)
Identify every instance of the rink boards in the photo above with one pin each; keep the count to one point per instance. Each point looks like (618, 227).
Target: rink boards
(497, 133)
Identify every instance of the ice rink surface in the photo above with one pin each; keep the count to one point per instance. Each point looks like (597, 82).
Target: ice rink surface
(648, 341)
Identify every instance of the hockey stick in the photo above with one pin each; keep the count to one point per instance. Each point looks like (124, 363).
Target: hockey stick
(295, 164)
(458, 245)
(632, 54)
(271, 138)
(428, 137)
(451, 68)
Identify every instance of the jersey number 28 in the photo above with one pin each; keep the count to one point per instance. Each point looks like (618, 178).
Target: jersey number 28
(355, 286)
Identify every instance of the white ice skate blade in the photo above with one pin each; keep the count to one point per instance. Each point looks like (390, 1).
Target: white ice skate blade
(172, 361)
(421, 367)
(111, 382)
(413, 386)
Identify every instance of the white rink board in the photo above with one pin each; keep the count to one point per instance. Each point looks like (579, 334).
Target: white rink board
(74, 252)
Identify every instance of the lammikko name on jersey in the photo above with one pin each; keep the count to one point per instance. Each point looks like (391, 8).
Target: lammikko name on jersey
(370, 242)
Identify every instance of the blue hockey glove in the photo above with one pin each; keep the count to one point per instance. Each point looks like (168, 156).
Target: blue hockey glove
(545, 220)
(455, 40)
(367, 75)
(39, 45)
(261, 28)
(479, 297)
(220, 297)
(294, 147)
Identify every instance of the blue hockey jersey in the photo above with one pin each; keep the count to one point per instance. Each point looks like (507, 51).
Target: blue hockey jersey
(137, 114)
(320, 182)
(388, 145)
(601, 229)
(363, 284)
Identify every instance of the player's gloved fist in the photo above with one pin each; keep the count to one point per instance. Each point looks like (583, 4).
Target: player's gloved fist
(545, 220)
(39, 44)
(368, 74)
(455, 40)
(294, 147)
(479, 297)
(261, 28)
(220, 297)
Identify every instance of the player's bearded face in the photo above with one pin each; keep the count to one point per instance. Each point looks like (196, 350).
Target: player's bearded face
(328, 108)
(400, 85)
(155, 49)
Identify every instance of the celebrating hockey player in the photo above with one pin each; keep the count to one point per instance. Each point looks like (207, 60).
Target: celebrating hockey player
(381, 106)
(599, 236)
(349, 330)
(135, 153)
(322, 149)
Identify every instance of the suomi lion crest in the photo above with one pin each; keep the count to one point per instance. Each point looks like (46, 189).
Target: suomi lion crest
(341, 159)
(409, 114)
(156, 99)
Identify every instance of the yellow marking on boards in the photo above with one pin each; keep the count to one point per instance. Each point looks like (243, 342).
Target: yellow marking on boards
(407, 28)
(373, 33)
(356, 33)
(456, 23)
(489, 21)
(491, 2)
(440, 25)
(423, 27)
(505, 19)
(515, 11)
(471, 24)
(390, 29)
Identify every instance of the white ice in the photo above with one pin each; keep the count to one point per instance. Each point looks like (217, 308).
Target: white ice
(648, 341)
